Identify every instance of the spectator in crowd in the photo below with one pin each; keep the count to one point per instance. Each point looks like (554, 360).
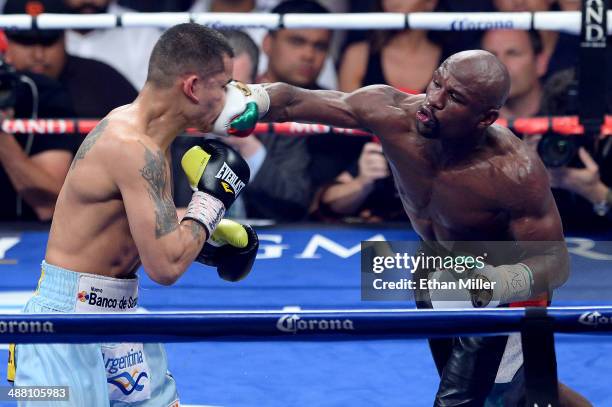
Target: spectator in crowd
(125, 49)
(296, 56)
(33, 168)
(560, 49)
(280, 185)
(365, 192)
(327, 76)
(521, 52)
(403, 59)
(582, 190)
(298, 59)
(95, 88)
(580, 193)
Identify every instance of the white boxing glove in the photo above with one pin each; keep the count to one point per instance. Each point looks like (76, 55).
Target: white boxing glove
(244, 105)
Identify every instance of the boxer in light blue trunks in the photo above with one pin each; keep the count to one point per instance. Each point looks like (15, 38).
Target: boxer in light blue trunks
(115, 212)
(130, 373)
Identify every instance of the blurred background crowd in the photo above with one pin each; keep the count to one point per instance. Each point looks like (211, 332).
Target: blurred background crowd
(327, 178)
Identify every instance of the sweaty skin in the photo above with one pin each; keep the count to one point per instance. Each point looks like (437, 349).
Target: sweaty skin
(115, 209)
(459, 176)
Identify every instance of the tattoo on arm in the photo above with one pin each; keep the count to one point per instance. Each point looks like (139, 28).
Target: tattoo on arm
(156, 174)
(89, 141)
(197, 231)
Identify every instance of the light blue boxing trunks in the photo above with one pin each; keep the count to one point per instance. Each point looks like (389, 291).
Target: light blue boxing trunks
(118, 374)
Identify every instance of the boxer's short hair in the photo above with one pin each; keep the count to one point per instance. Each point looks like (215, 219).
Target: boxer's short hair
(187, 48)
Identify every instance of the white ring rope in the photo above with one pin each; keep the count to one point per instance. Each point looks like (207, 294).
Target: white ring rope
(566, 21)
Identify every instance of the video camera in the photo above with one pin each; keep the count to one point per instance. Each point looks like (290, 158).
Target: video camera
(558, 150)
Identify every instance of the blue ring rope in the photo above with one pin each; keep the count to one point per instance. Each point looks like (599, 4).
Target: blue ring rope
(287, 325)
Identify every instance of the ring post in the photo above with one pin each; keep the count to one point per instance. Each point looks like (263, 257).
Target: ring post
(537, 337)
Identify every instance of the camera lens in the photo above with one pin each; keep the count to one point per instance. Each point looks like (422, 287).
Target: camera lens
(557, 151)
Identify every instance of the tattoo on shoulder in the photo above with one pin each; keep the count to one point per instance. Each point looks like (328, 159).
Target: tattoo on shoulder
(89, 141)
(156, 174)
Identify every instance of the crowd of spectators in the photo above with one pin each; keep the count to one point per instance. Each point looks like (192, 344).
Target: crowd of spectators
(331, 178)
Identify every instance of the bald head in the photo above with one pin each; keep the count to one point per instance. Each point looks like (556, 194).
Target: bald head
(486, 75)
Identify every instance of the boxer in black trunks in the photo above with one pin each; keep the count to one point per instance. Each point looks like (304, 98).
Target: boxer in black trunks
(460, 178)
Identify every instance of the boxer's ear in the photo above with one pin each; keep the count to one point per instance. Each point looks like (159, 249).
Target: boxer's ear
(488, 118)
(189, 87)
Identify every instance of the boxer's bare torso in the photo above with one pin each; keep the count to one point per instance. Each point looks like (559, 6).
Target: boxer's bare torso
(472, 196)
(466, 197)
(90, 230)
(115, 210)
(459, 177)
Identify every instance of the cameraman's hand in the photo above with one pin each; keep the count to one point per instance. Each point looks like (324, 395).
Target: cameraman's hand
(583, 181)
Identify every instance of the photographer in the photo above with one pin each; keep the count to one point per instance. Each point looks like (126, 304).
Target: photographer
(32, 168)
(581, 185)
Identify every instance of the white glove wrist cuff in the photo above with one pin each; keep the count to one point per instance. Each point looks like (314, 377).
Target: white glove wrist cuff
(206, 210)
(520, 282)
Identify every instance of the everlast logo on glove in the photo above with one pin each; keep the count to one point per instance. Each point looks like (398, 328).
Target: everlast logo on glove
(226, 174)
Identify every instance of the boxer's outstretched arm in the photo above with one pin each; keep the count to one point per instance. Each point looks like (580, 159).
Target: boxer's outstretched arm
(371, 107)
(166, 248)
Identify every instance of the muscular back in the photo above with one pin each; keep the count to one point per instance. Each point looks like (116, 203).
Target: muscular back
(90, 231)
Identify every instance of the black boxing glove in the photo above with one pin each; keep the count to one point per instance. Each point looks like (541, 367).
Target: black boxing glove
(231, 249)
(217, 174)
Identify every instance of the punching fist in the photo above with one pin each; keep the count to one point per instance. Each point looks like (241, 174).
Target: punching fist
(231, 249)
(244, 105)
(217, 174)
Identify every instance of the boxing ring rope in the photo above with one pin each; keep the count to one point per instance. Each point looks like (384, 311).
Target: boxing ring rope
(566, 21)
(293, 325)
(567, 125)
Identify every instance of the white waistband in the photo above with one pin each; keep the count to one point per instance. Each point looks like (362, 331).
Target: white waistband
(81, 292)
